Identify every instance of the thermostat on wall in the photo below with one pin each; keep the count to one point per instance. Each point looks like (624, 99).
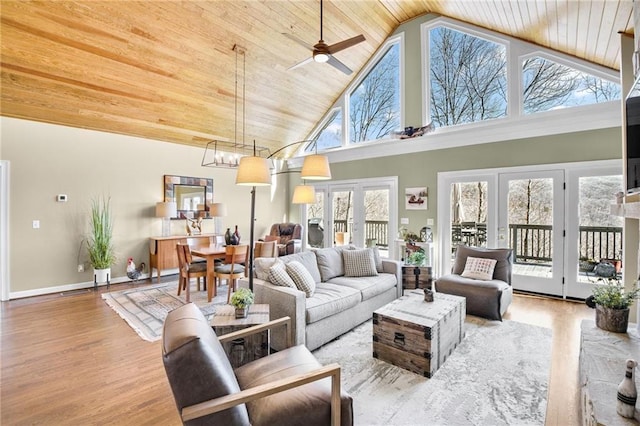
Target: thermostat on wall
(61, 198)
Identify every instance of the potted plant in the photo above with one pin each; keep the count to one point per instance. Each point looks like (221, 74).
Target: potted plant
(241, 300)
(417, 258)
(100, 243)
(612, 303)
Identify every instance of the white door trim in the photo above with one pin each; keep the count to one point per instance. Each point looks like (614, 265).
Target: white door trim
(4, 230)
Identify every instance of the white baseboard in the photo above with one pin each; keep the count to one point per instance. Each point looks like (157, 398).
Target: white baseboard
(75, 286)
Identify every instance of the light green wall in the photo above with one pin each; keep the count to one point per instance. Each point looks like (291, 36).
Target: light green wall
(421, 169)
(48, 159)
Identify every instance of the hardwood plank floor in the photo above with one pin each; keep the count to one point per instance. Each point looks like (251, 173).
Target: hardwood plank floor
(71, 360)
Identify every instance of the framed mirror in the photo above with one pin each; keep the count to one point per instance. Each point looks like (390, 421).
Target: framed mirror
(193, 196)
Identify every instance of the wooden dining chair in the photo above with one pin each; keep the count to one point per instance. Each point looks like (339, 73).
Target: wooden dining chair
(189, 269)
(231, 269)
(266, 249)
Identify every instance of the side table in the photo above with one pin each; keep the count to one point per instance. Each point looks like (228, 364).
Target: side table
(243, 350)
(416, 277)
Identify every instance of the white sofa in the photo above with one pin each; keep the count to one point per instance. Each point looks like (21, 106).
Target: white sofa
(339, 302)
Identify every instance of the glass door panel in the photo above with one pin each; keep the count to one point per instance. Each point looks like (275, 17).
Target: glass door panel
(599, 234)
(315, 223)
(342, 202)
(531, 220)
(468, 214)
(376, 220)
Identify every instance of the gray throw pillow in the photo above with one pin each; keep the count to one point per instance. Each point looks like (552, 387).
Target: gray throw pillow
(301, 277)
(278, 276)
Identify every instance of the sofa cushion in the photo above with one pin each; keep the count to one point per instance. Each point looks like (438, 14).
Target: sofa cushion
(359, 263)
(330, 262)
(478, 268)
(502, 270)
(377, 259)
(301, 277)
(278, 275)
(330, 299)
(308, 259)
(261, 266)
(484, 298)
(369, 286)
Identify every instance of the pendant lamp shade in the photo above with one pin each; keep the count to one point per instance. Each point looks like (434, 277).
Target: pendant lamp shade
(253, 171)
(315, 167)
(304, 194)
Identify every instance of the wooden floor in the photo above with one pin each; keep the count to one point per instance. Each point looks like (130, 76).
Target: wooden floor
(70, 360)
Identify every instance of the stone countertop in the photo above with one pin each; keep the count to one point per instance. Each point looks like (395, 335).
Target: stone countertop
(602, 367)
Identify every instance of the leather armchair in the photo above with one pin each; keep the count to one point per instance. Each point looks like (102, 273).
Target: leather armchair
(289, 387)
(288, 237)
(485, 298)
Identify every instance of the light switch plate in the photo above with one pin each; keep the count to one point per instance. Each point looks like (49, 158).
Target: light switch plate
(404, 221)
(429, 222)
(36, 224)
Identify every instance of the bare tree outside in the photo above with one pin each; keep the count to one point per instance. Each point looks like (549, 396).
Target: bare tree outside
(374, 107)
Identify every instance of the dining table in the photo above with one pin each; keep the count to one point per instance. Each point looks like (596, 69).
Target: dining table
(210, 253)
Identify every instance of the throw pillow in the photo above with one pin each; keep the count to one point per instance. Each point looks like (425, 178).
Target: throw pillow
(377, 259)
(301, 277)
(479, 268)
(278, 276)
(359, 263)
(261, 266)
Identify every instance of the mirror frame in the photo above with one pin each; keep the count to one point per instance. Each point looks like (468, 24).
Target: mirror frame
(170, 181)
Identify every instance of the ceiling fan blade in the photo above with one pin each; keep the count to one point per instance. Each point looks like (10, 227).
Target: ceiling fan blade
(301, 63)
(297, 40)
(341, 45)
(339, 65)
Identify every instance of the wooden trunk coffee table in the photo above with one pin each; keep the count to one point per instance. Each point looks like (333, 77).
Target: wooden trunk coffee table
(417, 335)
(244, 350)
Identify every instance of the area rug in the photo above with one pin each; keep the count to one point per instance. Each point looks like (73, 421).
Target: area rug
(498, 375)
(145, 308)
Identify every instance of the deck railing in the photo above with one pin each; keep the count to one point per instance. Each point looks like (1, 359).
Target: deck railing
(373, 229)
(534, 243)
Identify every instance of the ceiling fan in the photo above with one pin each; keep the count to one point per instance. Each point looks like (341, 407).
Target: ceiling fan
(322, 52)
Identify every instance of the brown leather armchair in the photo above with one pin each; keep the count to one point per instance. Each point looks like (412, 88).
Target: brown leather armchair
(288, 237)
(289, 387)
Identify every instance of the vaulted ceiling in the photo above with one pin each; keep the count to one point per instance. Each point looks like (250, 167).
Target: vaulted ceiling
(165, 70)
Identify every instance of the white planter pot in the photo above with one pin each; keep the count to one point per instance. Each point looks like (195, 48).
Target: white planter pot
(102, 275)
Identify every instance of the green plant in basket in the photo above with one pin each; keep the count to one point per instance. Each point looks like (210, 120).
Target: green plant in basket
(614, 296)
(242, 298)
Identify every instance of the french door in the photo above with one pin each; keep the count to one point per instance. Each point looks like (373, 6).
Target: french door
(556, 219)
(531, 222)
(363, 213)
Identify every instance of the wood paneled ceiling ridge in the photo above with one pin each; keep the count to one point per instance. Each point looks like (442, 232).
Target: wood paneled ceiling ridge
(166, 70)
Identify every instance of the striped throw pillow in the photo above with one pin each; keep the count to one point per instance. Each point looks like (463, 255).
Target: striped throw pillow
(359, 263)
(301, 277)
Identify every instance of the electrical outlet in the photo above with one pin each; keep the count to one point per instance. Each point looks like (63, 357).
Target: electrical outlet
(80, 267)
(404, 221)
(429, 222)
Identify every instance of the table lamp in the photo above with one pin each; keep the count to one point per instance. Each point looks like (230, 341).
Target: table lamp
(217, 211)
(166, 210)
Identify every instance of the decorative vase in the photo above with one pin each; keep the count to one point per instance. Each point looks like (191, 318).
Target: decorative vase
(237, 235)
(227, 237)
(615, 320)
(428, 295)
(242, 312)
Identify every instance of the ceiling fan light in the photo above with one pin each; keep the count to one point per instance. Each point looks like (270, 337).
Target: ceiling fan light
(253, 171)
(315, 167)
(321, 57)
(304, 194)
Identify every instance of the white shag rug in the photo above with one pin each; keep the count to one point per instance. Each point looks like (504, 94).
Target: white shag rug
(498, 375)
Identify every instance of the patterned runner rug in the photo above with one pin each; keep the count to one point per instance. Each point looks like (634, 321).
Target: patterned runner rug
(145, 308)
(498, 375)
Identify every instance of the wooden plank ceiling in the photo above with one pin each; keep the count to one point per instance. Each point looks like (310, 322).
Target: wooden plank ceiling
(165, 70)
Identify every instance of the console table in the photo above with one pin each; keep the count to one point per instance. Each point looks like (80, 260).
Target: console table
(163, 254)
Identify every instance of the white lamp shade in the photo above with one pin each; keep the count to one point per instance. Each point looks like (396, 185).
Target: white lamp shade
(304, 194)
(166, 209)
(218, 210)
(253, 171)
(315, 167)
